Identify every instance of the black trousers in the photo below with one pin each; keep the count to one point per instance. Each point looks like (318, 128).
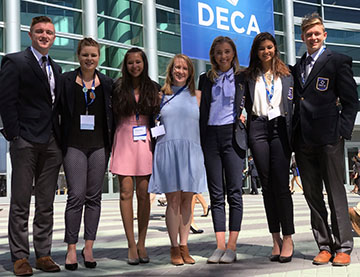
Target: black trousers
(38, 164)
(320, 165)
(254, 184)
(270, 147)
(223, 162)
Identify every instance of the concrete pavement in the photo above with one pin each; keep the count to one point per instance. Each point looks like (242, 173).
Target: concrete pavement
(254, 245)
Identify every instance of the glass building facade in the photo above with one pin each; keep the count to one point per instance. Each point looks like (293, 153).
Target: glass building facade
(121, 24)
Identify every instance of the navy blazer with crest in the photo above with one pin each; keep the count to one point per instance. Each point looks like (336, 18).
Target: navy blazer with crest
(326, 105)
(68, 102)
(205, 85)
(287, 102)
(26, 105)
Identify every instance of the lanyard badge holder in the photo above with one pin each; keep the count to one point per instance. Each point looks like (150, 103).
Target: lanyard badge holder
(87, 122)
(139, 132)
(159, 129)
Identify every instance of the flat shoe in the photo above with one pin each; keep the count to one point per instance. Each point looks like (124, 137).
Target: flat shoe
(216, 256)
(228, 257)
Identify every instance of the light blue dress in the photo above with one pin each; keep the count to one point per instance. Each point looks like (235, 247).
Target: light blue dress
(178, 159)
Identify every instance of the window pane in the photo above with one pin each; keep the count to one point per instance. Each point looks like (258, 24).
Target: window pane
(2, 9)
(120, 32)
(280, 43)
(344, 15)
(67, 3)
(168, 43)
(312, 1)
(356, 70)
(123, 9)
(302, 9)
(64, 20)
(172, 4)
(350, 51)
(168, 21)
(111, 56)
(1, 40)
(278, 6)
(278, 20)
(345, 37)
(162, 65)
(346, 3)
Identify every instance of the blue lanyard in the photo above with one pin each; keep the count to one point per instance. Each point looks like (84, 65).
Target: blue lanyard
(92, 94)
(162, 104)
(269, 92)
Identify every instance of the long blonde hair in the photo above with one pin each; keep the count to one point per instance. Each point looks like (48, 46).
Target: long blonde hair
(190, 82)
(212, 73)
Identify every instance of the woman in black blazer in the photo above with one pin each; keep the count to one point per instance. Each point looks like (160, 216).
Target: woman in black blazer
(223, 140)
(87, 131)
(269, 109)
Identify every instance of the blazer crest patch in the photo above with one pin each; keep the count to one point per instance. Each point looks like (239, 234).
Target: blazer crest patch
(322, 84)
(291, 93)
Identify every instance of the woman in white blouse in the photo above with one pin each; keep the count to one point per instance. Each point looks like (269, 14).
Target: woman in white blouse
(269, 108)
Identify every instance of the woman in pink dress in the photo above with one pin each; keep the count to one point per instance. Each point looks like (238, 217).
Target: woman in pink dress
(135, 101)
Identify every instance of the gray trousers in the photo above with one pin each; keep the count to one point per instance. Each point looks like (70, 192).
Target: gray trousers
(38, 164)
(326, 164)
(84, 171)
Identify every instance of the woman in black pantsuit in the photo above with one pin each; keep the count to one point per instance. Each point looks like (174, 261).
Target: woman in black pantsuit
(269, 108)
(223, 146)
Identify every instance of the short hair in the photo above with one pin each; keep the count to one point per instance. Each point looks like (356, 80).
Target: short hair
(87, 42)
(190, 82)
(212, 74)
(310, 20)
(40, 19)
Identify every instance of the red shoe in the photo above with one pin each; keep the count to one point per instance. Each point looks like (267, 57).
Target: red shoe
(341, 259)
(322, 258)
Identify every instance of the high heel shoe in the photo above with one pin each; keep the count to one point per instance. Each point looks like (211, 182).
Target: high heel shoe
(143, 260)
(71, 267)
(275, 258)
(88, 264)
(207, 212)
(196, 231)
(283, 259)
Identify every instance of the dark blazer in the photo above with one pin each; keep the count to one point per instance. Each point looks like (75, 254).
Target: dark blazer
(25, 106)
(287, 101)
(68, 102)
(323, 119)
(205, 85)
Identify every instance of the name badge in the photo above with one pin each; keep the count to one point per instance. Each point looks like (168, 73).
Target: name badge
(139, 133)
(274, 113)
(157, 131)
(87, 122)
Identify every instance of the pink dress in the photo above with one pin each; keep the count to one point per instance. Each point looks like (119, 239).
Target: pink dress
(129, 157)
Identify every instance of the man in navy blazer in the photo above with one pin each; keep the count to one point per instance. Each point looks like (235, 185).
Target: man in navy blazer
(29, 96)
(326, 105)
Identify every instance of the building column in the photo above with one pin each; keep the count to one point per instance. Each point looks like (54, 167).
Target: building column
(90, 28)
(289, 32)
(150, 37)
(12, 26)
(200, 67)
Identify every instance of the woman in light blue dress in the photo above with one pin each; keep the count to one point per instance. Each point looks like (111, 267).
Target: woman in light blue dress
(178, 167)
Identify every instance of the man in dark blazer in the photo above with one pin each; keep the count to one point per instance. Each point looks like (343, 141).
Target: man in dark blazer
(29, 96)
(325, 109)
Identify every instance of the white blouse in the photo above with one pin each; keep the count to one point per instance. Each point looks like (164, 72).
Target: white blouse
(261, 104)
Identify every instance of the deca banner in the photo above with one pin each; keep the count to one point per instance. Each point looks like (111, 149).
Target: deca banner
(203, 20)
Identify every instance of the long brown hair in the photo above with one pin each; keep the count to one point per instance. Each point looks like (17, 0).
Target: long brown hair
(190, 82)
(278, 67)
(212, 73)
(124, 103)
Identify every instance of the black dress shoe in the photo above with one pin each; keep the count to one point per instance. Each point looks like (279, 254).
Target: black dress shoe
(88, 264)
(71, 267)
(283, 259)
(274, 258)
(196, 231)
